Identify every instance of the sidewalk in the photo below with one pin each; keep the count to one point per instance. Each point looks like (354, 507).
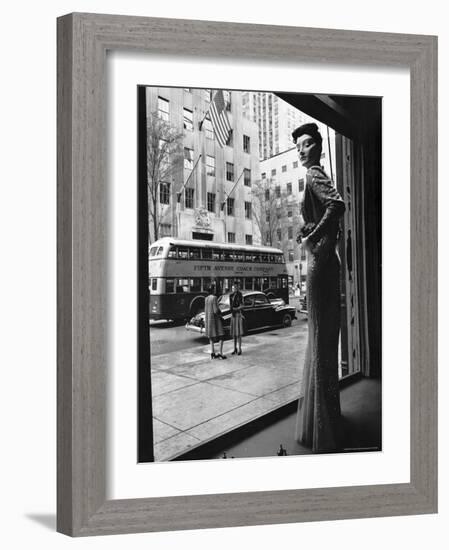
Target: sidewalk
(196, 399)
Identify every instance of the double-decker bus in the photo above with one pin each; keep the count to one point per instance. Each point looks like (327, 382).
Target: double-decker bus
(181, 272)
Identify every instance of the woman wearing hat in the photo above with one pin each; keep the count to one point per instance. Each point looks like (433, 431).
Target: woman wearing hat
(213, 323)
(318, 415)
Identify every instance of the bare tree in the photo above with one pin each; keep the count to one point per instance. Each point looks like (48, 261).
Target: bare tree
(276, 213)
(164, 160)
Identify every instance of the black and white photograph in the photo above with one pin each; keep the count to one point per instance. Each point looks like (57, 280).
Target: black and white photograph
(260, 213)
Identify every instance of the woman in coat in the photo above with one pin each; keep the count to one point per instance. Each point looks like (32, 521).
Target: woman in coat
(318, 415)
(236, 304)
(213, 324)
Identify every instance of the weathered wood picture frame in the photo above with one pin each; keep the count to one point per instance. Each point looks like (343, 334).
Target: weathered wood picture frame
(83, 40)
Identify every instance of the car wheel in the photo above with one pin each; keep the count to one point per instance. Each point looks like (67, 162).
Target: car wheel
(286, 320)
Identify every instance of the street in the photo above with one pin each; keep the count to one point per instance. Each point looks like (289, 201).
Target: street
(196, 399)
(167, 336)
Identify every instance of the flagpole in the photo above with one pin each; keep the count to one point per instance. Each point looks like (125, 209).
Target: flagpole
(224, 203)
(230, 193)
(179, 194)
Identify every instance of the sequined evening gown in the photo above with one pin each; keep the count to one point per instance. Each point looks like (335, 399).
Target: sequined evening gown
(317, 424)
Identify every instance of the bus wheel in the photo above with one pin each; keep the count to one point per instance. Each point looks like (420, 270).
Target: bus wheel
(286, 320)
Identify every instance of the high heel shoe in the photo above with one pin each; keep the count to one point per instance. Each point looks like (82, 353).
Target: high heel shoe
(239, 352)
(220, 356)
(234, 352)
(213, 356)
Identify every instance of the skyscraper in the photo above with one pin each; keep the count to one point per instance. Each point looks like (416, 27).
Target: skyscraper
(276, 120)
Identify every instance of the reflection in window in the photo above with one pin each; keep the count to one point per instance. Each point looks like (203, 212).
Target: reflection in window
(169, 286)
(195, 284)
(182, 286)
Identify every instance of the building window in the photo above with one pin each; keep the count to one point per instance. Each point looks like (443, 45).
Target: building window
(290, 232)
(248, 239)
(246, 144)
(230, 141)
(163, 108)
(189, 191)
(268, 237)
(278, 191)
(210, 165)
(295, 164)
(209, 129)
(291, 256)
(267, 216)
(264, 175)
(188, 158)
(248, 210)
(230, 206)
(301, 184)
(229, 171)
(279, 234)
(247, 177)
(284, 168)
(303, 254)
(289, 188)
(289, 214)
(165, 230)
(188, 120)
(227, 99)
(323, 155)
(273, 172)
(164, 193)
(231, 237)
(211, 202)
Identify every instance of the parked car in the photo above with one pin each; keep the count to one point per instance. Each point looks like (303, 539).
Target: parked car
(258, 311)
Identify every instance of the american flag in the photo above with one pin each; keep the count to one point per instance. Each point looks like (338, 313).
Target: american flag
(219, 118)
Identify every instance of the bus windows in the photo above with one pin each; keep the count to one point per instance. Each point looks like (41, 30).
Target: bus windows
(207, 254)
(226, 285)
(228, 255)
(169, 285)
(279, 258)
(153, 251)
(194, 253)
(182, 285)
(195, 284)
(183, 253)
(264, 258)
(153, 284)
(272, 259)
(172, 252)
(239, 257)
(160, 250)
(207, 281)
(248, 283)
(216, 255)
(256, 257)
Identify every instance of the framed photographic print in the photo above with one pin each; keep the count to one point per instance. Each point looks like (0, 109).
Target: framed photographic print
(246, 271)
